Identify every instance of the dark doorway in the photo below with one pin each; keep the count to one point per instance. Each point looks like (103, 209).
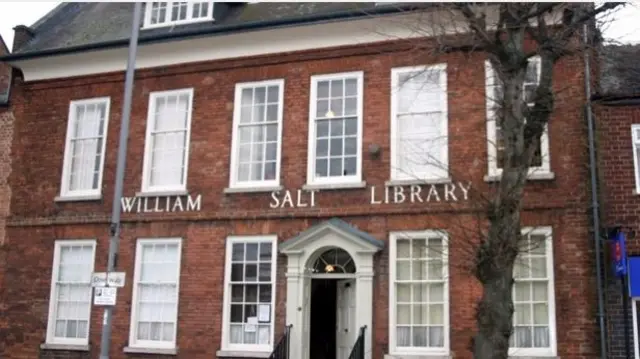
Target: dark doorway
(323, 319)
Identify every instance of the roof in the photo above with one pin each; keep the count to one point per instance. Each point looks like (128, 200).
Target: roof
(76, 26)
(620, 71)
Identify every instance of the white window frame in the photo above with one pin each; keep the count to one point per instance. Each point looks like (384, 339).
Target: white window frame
(235, 146)
(226, 301)
(397, 175)
(311, 160)
(492, 151)
(66, 166)
(133, 325)
(188, 20)
(552, 349)
(51, 322)
(635, 142)
(146, 169)
(393, 348)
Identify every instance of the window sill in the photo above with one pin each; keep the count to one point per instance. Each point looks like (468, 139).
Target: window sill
(165, 351)
(533, 357)
(417, 356)
(162, 193)
(252, 189)
(408, 182)
(241, 354)
(539, 176)
(93, 197)
(324, 186)
(69, 347)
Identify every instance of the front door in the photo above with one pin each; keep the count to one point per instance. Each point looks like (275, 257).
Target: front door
(345, 317)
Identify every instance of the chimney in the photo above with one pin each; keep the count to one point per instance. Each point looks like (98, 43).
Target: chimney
(21, 36)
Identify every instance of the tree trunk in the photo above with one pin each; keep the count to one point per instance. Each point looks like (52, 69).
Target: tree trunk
(493, 317)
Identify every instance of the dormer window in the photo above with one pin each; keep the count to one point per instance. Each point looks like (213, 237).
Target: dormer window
(159, 14)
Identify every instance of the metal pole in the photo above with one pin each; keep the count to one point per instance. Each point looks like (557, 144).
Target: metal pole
(625, 314)
(114, 230)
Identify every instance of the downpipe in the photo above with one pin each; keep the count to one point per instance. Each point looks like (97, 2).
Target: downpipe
(595, 203)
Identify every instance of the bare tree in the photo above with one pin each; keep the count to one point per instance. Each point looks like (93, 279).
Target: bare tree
(511, 35)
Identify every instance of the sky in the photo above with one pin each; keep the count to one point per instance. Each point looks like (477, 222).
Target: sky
(625, 26)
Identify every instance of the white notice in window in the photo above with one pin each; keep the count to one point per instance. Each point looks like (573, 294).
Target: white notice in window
(264, 313)
(250, 327)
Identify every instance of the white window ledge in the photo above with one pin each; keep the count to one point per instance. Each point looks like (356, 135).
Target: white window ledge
(349, 185)
(241, 354)
(162, 193)
(533, 357)
(165, 351)
(417, 356)
(70, 347)
(533, 176)
(94, 197)
(252, 189)
(408, 182)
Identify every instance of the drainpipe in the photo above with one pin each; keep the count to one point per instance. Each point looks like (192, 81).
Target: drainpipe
(595, 205)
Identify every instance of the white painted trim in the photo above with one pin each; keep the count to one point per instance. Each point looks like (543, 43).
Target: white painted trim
(432, 351)
(397, 175)
(235, 148)
(366, 30)
(51, 318)
(311, 159)
(635, 144)
(226, 307)
(492, 158)
(65, 192)
(133, 328)
(552, 351)
(146, 164)
(188, 20)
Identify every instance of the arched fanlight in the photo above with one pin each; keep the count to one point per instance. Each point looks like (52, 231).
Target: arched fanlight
(335, 260)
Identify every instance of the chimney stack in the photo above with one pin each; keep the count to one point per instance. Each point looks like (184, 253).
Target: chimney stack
(21, 35)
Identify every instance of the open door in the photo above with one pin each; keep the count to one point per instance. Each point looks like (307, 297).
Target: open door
(345, 317)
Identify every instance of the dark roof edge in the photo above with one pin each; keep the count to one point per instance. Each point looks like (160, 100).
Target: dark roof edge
(616, 99)
(256, 25)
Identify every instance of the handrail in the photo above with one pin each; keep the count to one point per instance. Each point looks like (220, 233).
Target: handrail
(281, 350)
(358, 348)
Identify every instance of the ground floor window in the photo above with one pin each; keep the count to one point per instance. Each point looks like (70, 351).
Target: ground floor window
(249, 294)
(419, 303)
(533, 296)
(154, 311)
(70, 301)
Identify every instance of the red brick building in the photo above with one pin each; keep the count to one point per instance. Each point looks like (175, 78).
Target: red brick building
(6, 135)
(617, 114)
(275, 177)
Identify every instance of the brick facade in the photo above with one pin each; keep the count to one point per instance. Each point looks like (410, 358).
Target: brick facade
(37, 220)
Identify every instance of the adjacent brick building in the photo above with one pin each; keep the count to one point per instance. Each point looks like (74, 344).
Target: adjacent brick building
(617, 114)
(272, 180)
(6, 135)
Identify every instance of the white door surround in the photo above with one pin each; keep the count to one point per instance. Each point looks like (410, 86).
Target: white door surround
(302, 252)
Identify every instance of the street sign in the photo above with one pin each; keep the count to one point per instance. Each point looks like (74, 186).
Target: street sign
(105, 295)
(114, 279)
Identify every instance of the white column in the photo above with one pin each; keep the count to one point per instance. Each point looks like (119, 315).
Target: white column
(364, 308)
(293, 315)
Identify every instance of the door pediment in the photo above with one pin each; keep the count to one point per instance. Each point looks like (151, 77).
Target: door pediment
(336, 232)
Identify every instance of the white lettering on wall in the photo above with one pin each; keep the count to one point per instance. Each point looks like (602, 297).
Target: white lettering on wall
(414, 193)
(161, 204)
(302, 199)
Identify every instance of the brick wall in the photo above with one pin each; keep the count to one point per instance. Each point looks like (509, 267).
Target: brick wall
(37, 220)
(620, 204)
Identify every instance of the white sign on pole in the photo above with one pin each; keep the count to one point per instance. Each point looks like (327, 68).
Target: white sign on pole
(101, 279)
(105, 295)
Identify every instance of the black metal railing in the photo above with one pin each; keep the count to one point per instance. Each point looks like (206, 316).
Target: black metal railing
(281, 350)
(358, 348)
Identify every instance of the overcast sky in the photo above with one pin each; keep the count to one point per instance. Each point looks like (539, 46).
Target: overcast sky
(625, 28)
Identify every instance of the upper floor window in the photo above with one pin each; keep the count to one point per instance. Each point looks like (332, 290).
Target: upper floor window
(167, 141)
(495, 143)
(85, 146)
(419, 123)
(257, 134)
(177, 12)
(335, 129)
